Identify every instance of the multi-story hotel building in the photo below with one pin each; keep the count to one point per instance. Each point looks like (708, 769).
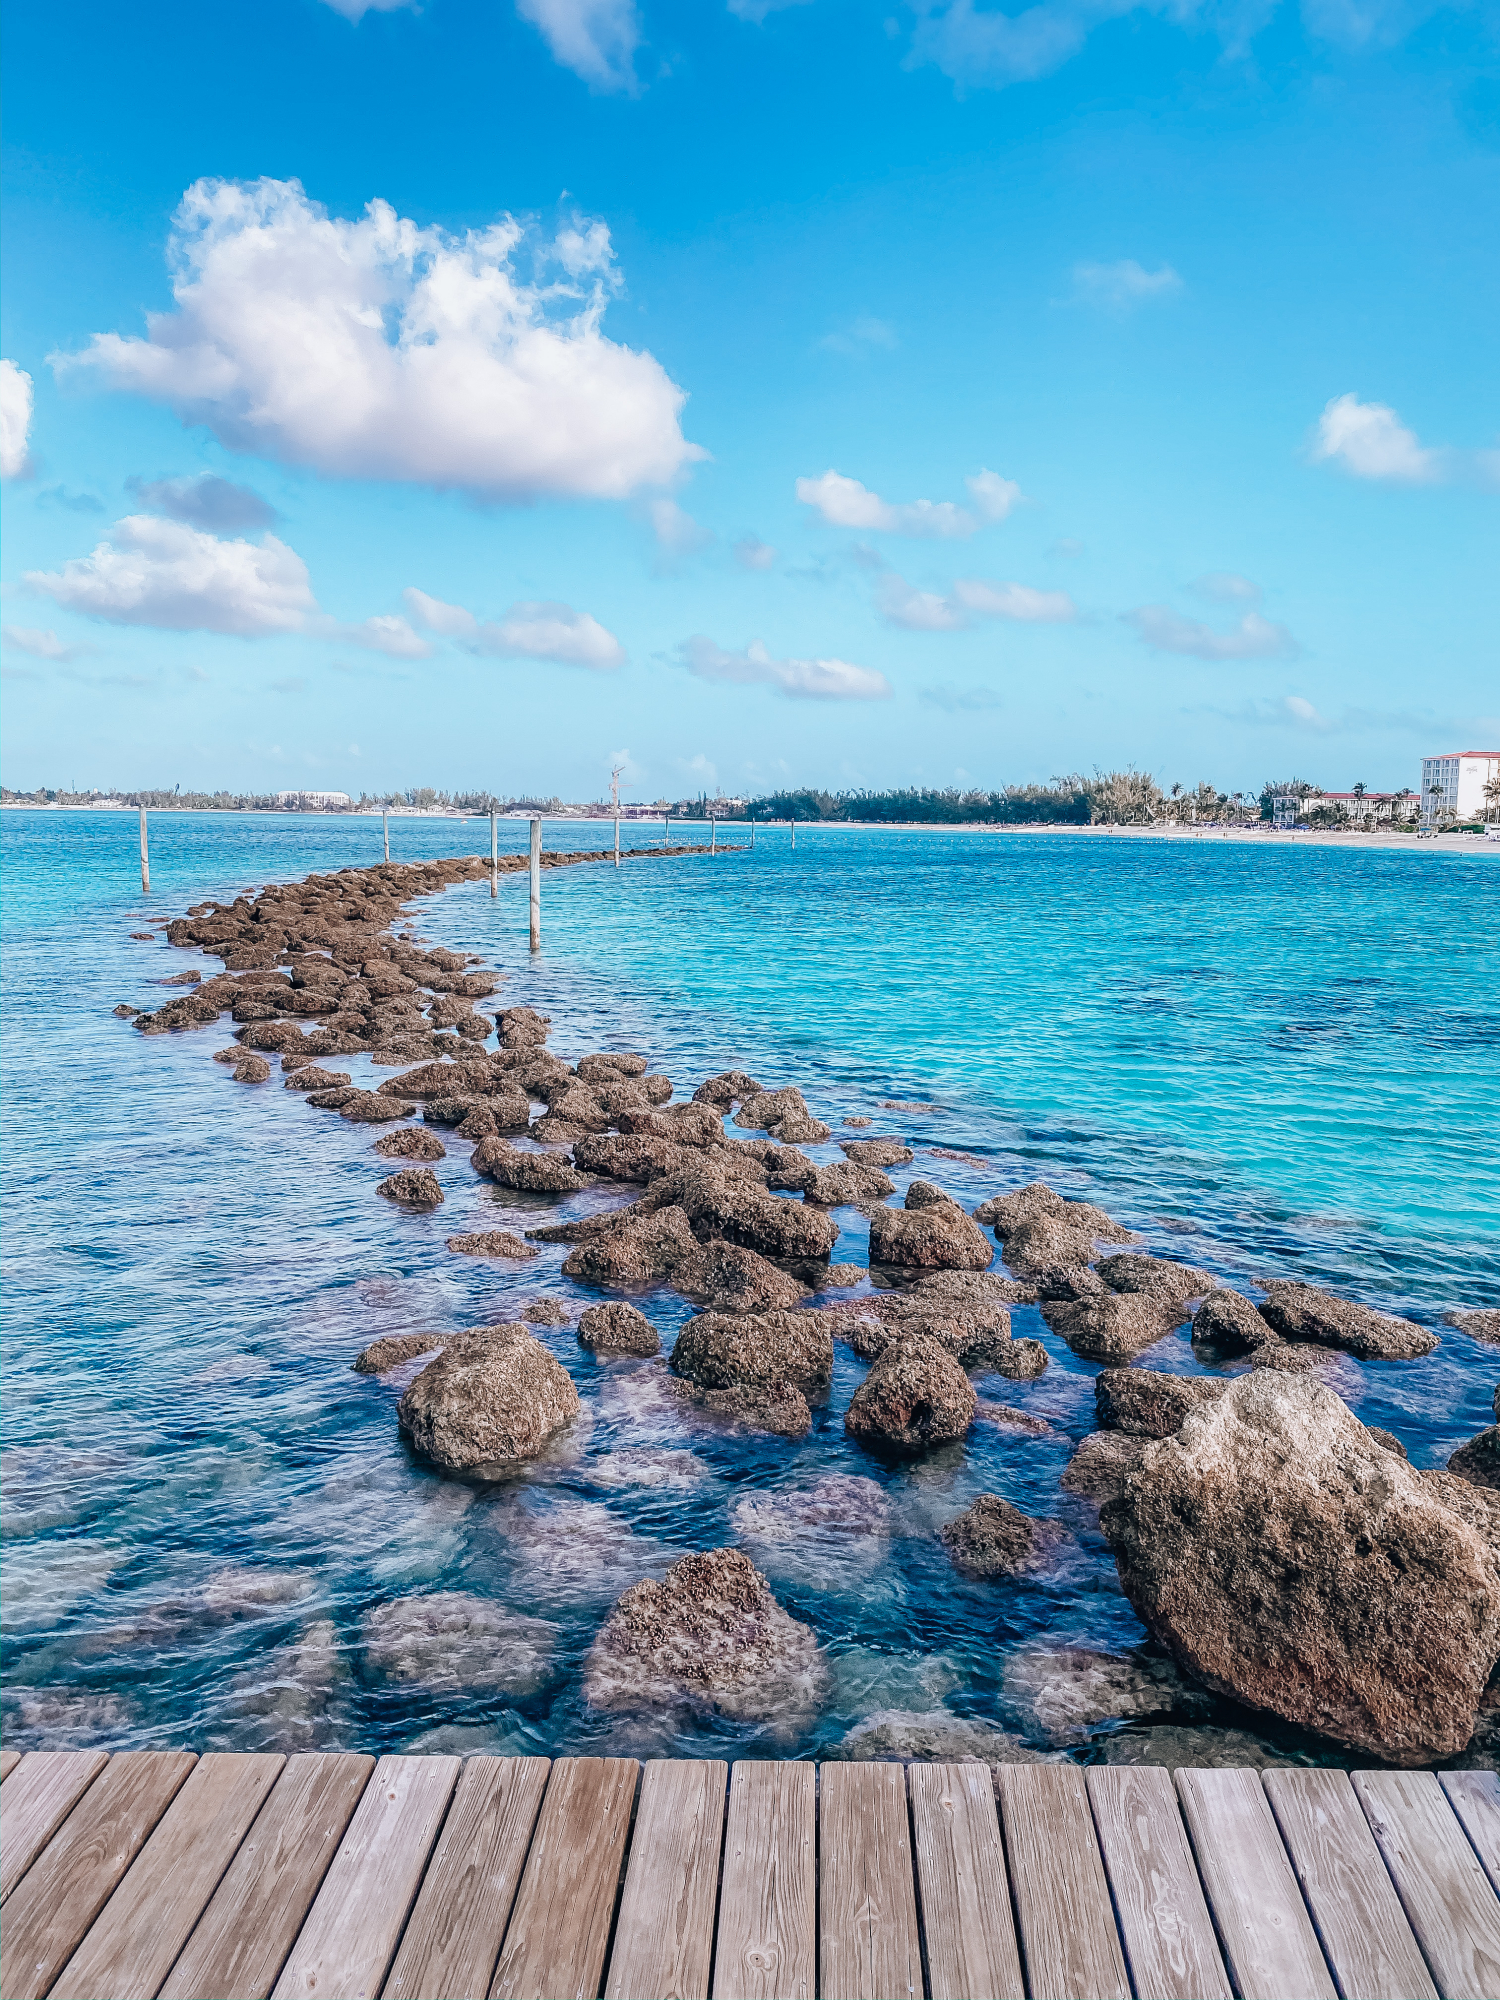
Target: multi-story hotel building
(1454, 785)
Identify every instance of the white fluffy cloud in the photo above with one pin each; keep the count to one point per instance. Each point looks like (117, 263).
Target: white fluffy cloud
(845, 503)
(532, 631)
(803, 680)
(969, 600)
(378, 349)
(1119, 287)
(1370, 440)
(166, 574)
(41, 644)
(596, 39)
(1254, 638)
(15, 420)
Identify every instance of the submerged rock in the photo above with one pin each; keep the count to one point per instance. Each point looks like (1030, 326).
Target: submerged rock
(618, 1329)
(1228, 1321)
(411, 1143)
(413, 1187)
(938, 1235)
(1482, 1323)
(544, 1312)
(780, 1409)
(709, 1634)
(382, 1355)
(1288, 1560)
(493, 1395)
(1302, 1312)
(448, 1639)
(933, 1736)
(491, 1243)
(915, 1397)
(1172, 1747)
(993, 1538)
(839, 1508)
(1149, 1404)
(1062, 1692)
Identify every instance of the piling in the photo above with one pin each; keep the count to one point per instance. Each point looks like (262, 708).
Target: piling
(494, 854)
(536, 885)
(713, 835)
(145, 858)
(385, 821)
(794, 836)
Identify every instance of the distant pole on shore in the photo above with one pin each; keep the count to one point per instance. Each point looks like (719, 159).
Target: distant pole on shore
(614, 797)
(536, 885)
(145, 858)
(494, 854)
(385, 821)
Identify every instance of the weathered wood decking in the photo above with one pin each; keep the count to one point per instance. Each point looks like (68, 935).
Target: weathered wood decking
(329, 1875)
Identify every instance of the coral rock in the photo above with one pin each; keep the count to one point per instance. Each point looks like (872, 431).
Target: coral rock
(494, 1395)
(914, 1397)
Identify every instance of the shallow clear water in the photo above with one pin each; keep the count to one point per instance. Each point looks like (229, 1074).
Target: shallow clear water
(1268, 1060)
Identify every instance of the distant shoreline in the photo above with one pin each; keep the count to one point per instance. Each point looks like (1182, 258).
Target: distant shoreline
(1443, 843)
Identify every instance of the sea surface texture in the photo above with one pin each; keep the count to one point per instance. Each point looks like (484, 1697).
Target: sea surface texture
(1268, 1061)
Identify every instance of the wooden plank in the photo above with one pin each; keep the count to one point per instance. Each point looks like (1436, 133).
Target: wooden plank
(1475, 1797)
(1269, 1942)
(48, 1786)
(1168, 1933)
(1355, 1909)
(344, 1949)
(1068, 1935)
(8, 1762)
(768, 1943)
(664, 1934)
(243, 1937)
(559, 1928)
(454, 1936)
(869, 1947)
(134, 1940)
(68, 1884)
(1443, 1889)
(966, 1919)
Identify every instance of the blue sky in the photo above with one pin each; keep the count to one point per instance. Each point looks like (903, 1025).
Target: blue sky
(754, 394)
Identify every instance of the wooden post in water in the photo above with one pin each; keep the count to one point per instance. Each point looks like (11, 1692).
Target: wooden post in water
(494, 854)
(145, 858)
(614, 795)
(385, 821)
(794, 836)
(713, 834)
(536, 885)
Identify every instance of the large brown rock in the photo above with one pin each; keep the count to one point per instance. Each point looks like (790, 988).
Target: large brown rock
(639, 1250)
(606, 1067)
(725, 1350)
(938, 1236)
(395, 1349)
(364, 1107)
(847, 1185)
(618, 1329)
(975, 1331)
(1154, 1277)
(1038, 1228)
(1303, 1312)
(1147, 1403)
(411, 1143)
(729, 1087)
(1480, 1323)
(541, 1173)
(1115, 1327)
(1098, 1469)
(730, 1278)
(1478, 1461)
(1290, 1561)
(1228, 1321)
(876, 1152)
(493, 1396)
(633, 1156)
(738, 1212)
(412, 1187)
(914, 1397)
(680, 1124)
(709, 1634)
(993, 1538)
(761, 1110)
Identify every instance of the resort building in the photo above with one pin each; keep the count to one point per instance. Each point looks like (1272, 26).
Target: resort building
(1460, 785)
(1362, 807)
(313, 799)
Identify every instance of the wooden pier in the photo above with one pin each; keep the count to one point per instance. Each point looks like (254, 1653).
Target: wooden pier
(331, 1875)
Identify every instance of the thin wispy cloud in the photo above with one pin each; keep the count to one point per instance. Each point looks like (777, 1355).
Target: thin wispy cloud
(1253, 638)
(206, 501)
(750, 552)
(1122, 286)
(40, 643)
(863, 336)
(1225, 587)
(596, 39)
(956, 700)
(968, 602)
(846, 503)
(799, 679)
(534, 630)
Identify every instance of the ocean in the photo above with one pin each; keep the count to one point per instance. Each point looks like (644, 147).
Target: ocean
(1269, 1061)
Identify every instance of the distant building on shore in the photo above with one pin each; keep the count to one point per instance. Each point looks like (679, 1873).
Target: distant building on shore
(313, 799)
(1460, 785)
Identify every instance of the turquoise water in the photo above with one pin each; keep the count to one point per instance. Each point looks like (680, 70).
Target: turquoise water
(1268, 1060)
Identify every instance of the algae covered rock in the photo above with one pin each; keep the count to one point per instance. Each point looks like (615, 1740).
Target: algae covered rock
(411, 1143)
(935, 1236)
(723, 1350)
(915, 1397)
(1228, 1321)
(1287, 1559)
(709, 1634)
(618, 1329)
(1303, 1312)
(1150, 1404)
(992, 1538)
(493, 1395)
(413, 1187)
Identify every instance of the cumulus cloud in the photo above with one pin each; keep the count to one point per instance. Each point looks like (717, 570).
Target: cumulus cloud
(676, 532)
(41, 644)
(968, 601)
(596, 39)
(15, 420)
(534, 631)
(391, 636)
(802, 680)
(1254, 638)
(539, 631)
(750, 552)
(1370, 440)
(164, 573)
(1122, 286)
(205, 502)
(845, 503)
(378, 349)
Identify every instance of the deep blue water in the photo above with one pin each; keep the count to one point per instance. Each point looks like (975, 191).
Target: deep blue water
(1268, 1060)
